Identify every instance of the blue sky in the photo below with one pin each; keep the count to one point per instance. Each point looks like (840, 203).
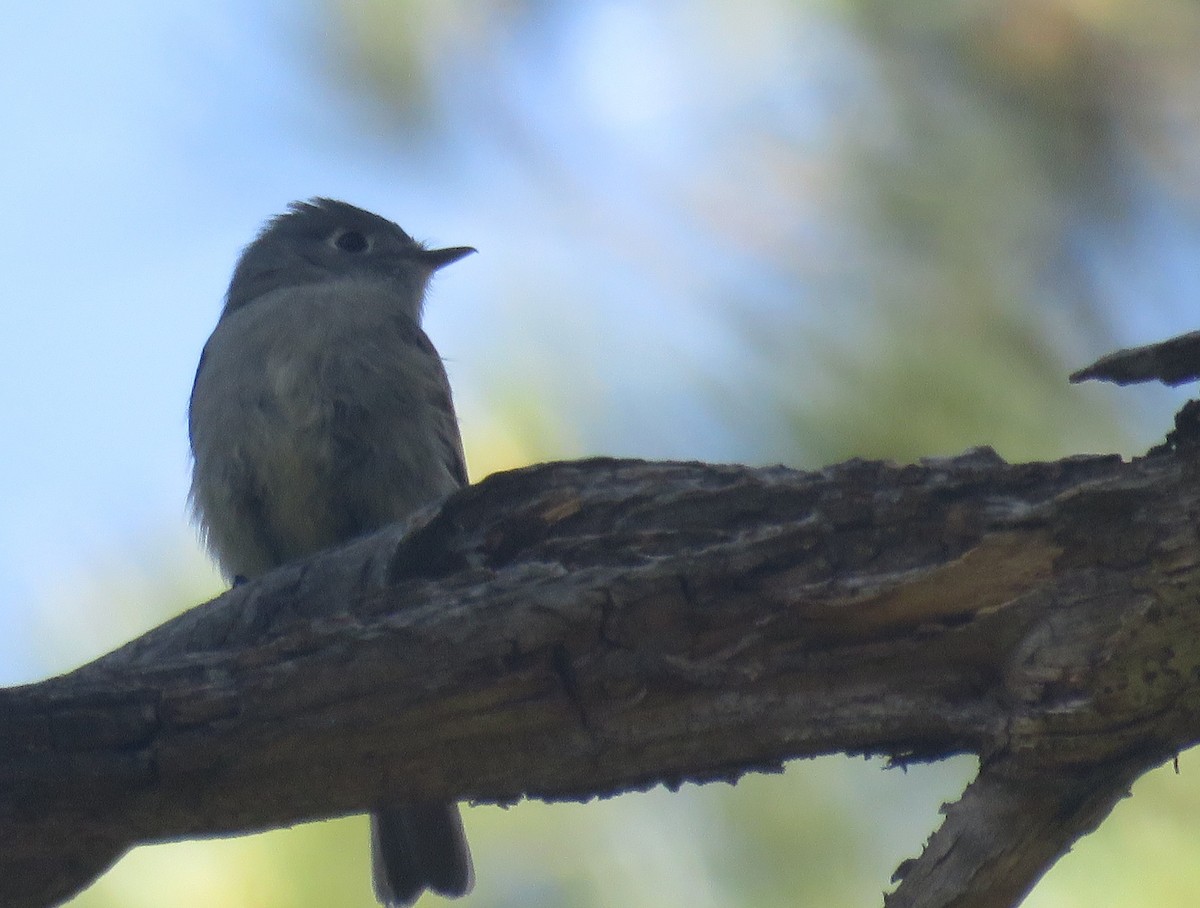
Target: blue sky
(144, 145)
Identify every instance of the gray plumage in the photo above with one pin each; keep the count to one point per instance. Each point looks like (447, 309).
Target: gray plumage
(321, 411)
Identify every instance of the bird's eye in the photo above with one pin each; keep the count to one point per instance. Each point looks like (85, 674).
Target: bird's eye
(351, 241)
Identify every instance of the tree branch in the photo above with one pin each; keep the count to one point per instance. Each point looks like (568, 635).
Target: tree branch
(1172, 362)
(586, 628)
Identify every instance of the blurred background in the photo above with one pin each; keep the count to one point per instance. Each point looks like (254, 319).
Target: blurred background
(736, 230)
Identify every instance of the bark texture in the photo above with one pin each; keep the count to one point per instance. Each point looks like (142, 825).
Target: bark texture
(587, 628)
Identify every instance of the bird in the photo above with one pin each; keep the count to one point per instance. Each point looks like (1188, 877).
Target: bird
(321, 411)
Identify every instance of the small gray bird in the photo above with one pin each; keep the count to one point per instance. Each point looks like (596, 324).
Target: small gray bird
(320, 412)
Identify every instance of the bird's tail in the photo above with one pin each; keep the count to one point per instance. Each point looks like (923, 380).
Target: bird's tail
(415, 847)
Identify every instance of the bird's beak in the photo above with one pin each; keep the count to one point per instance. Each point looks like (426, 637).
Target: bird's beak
(440, 258)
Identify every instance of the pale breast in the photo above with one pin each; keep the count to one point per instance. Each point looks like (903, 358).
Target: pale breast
(312, 435)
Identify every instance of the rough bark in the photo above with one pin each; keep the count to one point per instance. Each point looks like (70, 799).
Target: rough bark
(581, 629)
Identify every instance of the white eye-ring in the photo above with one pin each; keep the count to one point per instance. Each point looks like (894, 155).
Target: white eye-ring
(351, 241)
